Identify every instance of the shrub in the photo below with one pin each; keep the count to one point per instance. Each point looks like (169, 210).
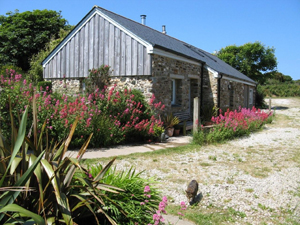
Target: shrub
(136, 203)
(260, 98)
(280, 90)
(45, 86)
(98, 78)
(114, 116)
(4, 69)
(232, 124)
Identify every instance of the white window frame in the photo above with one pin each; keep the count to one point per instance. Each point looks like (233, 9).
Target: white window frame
(174, 84)
(250, 96)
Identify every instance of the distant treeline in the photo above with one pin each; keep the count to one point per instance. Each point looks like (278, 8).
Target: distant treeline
(280, 88)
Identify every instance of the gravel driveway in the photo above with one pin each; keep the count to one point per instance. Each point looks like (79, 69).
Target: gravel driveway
(258, 175)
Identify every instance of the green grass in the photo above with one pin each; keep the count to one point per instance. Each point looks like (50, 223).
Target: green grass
(212, 215)
(154, 155)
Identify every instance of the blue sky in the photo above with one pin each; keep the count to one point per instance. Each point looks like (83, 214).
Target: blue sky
(209, 25)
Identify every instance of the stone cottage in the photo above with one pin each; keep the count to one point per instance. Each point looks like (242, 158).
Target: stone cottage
(148, 60)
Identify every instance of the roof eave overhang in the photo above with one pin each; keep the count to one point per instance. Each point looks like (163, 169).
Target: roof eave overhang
(219, 75)
(162, 51)
(230, 78)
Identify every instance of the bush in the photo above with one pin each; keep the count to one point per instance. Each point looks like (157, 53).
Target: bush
(259, 98)
(4, 69)
(114, 116)
(45, 86)
(98, 78)
(231, 125)
(136, 204)
(280, 90)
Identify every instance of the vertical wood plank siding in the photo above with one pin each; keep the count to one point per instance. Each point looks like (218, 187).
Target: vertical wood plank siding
(99, 42)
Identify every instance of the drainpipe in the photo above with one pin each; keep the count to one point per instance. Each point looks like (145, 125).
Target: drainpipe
(201, 88)
(219, 92)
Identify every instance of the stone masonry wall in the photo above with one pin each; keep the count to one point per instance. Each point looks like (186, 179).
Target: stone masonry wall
(141, 83)
(66, 86)
(210, 90)
(162, 69)
(232, 94)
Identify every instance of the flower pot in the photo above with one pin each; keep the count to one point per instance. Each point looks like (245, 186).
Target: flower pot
(170, 131)
(208, 123)
(176, 132)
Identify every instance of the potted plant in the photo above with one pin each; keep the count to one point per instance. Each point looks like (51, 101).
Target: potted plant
(170, 122)
(176, 130)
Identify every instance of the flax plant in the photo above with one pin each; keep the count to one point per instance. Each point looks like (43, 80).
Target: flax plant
(37, 179)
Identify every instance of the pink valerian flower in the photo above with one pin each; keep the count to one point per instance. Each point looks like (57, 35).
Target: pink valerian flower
(165, 199)
(148, 196)
(88, 121)
(142, 203)
(180, 214)
(183, 206)
(147, 189)
(66, 122)
(162, 205)
(152, 99)
(90, 98)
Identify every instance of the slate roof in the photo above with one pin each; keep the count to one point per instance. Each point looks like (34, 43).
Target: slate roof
(163, 41)
(160, 40)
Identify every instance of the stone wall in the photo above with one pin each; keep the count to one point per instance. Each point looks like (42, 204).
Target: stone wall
(188, 76)
(66, 86)
(210, 90)
(235, 95)
(232, 94)
(141, 83)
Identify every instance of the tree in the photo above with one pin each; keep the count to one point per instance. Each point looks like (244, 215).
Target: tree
(252, 59)
(36, 69)
(24, 34)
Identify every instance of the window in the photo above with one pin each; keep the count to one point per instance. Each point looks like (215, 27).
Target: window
(250, 96)
(176, 92)
(173, 92)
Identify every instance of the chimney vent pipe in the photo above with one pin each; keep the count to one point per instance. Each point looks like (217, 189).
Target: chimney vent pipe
(143, 17)
(164, 29)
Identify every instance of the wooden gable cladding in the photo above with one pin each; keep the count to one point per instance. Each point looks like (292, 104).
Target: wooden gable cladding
(98, 42)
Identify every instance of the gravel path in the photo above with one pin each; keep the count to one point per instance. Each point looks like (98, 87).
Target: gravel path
(258, 175)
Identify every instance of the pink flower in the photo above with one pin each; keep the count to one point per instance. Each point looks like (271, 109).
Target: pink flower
(164, 199)
(180, 214)
(147, 189)
(142, 203)
(183, 206)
